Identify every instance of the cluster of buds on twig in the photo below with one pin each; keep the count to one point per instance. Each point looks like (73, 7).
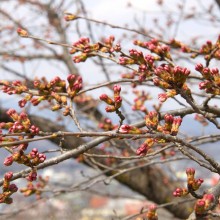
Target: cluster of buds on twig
(209, 50)
(8, 189)
(177, 44)
(145, 64)
(14, 87)
(211, 84)
(151, 213)
(179, 192)
(54, 90)
(32, 159)
(113, 104)
(128, 129)
(152, 120)
(162, 50)
(172, 78)
(85, 49)
(75, 85)
(21, 123)
(107, 125)
(108, 45)
(144, 147)
(139, 101)
(203, 205)
(192, 184)
(36, 189)
(171, 124)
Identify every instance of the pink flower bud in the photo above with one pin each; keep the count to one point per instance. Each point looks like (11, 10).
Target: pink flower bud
(21, 32)
(162, 97)
(8, 161)
(8, 176)
(110, 108)
(13, 188)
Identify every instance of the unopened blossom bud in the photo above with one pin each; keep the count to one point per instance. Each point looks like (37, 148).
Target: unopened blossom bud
(200, 207)
(106, 99)
(209, 198)
(8, 161)
(152, 119)
(110, 108)
(13, 188)
(56, 107)
(162, 97)
(203, 205)
(13, 114)
(142, 150)
(42, 157)
(8, 200)
(199, 67)
(197, 183)
(179, 192)
(168, 118)
(151, 214)
(8, 176)
(22, 33)
(117, 48)
(118, 101)
(22, 103)
(34, 129)
(70, 17)
(80, 58)
(117, 89)
(124, 129)
(175, 126)
(32, 176)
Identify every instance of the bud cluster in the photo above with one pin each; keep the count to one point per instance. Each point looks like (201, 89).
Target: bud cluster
(171, 126)
(86, 49)
(128, 129)
(32, 159)
(145, 147)
(211, 83)
(169, 77)
(31, 189)
(14, 87)
(113, 104)
(162, 50)
(151, 213)
(8, 189)
(107, 125)
(192, 184)
(177, 44)
(21, 123)
(53, 90)
(203, 205)
(209, 50)
(139, 101)
(75, 85)
(145, 64)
